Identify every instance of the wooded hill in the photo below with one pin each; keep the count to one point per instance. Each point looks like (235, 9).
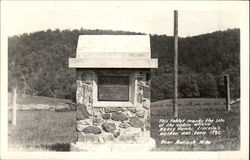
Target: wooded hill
(38, 63)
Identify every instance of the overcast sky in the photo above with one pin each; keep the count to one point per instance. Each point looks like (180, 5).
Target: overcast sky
(147, 17)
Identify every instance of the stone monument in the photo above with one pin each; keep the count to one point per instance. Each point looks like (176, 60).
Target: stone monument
(113, 93)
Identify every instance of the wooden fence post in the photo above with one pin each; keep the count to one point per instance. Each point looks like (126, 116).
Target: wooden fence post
(175, 99)
(14, 105)
(227, 87)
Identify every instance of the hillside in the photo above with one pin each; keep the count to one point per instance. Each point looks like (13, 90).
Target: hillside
(38, 63)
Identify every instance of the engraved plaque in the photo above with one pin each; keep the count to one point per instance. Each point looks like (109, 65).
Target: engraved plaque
(113, 88)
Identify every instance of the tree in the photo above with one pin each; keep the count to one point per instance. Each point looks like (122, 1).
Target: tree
(40, 62)
(207, 86)
(234, 75)
(187, 86)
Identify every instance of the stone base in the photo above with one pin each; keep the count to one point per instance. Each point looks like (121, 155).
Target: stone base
(147, 144)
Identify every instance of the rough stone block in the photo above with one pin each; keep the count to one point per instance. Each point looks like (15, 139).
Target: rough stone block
(132, 131)
(97, 112)
(139, 87)
(108, 127)
(81, 124)
(106, 116)
(128, 113)
(140, 83)
(100, 138)
(84, 91)
(96, 121)
(116, 133)
(129, 135)
(140, 113)
(90, 99)
(139, 98)
(81, 137)
(141, 77)
(81, 112)
(87, 91)
(92, 138)
(113, 109)
(146, 103)
(86, 75)
(148, 127)
(92, 129)
(89, 82)
(133, 110)
(124, 125)
(107, 137)
(136, 122)
(146, 92)
(119, 117)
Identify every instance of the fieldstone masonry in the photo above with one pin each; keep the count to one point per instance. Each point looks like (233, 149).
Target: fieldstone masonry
(105, 124)
(113, 125)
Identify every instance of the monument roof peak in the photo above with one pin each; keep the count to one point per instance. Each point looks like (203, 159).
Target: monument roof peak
(113, 46)
(119, 48)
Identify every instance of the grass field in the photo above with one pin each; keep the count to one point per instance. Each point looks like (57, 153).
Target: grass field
(28, 102)
(42, 131)
(53, 131)
(228, 140)
(27, 99)
(191, 102)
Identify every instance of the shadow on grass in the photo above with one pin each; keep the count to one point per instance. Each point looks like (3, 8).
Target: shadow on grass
(57, 147)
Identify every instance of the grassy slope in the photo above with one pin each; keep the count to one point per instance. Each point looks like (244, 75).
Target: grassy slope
(42, 130)
(46, 130)
(41, 103)
(229, 139)
(27, 99)
(191, 102)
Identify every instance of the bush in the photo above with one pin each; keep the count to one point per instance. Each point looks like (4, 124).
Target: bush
(188, 87)
(207, 86)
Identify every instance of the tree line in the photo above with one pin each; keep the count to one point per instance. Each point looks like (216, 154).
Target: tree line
(38, 63)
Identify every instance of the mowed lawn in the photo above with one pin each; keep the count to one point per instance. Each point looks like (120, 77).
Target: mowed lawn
(230, 129)
(54, 131)
(42, 131)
